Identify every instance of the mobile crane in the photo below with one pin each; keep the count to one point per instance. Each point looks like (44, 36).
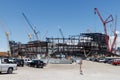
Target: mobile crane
(104, 22)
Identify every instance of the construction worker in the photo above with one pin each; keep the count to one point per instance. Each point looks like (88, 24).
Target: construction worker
(81, 62)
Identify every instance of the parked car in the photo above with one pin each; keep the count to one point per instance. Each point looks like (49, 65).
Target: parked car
(108, 60)
(7, 67)
(116, 62)
(37, 64)
(19, 62)
(101, 60)
(92, 59)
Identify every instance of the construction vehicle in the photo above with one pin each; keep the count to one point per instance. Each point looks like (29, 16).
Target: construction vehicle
(104, 22)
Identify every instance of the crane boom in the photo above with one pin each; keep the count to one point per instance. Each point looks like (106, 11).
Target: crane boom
(96, 11)
(61, 32)
(115, 36)
(109, 19)
(36, 33)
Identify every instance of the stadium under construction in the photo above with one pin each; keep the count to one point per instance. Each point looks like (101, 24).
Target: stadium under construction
(85, 44)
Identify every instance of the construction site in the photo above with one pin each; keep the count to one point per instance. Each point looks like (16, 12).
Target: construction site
(81, 45)
(59, 40)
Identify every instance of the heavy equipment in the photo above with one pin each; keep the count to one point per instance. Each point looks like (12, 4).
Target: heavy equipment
(104, 22)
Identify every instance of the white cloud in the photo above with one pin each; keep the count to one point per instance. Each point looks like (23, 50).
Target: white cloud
(117, 32)
(117, 41)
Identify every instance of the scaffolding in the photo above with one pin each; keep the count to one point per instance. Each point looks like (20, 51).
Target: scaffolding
(65, 46)
(84, 44)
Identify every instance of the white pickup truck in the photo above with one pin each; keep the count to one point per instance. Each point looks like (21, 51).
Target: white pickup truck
(7, 67)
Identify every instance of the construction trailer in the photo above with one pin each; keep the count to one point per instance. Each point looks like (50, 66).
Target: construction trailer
(4, 54)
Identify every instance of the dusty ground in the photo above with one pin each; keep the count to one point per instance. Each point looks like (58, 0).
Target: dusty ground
(91, 71)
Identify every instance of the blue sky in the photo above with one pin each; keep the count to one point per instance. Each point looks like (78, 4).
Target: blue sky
(72, 16)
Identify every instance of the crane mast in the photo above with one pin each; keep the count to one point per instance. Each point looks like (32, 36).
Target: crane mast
(62, 37)
(36, 33)
(107, 20)
(7, 37)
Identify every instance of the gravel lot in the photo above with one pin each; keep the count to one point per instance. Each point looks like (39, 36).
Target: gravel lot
(91, 71)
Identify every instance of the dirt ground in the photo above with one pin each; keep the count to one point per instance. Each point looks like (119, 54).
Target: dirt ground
(91, 71)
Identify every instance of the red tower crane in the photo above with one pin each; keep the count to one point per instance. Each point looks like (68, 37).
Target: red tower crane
(107, 20)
